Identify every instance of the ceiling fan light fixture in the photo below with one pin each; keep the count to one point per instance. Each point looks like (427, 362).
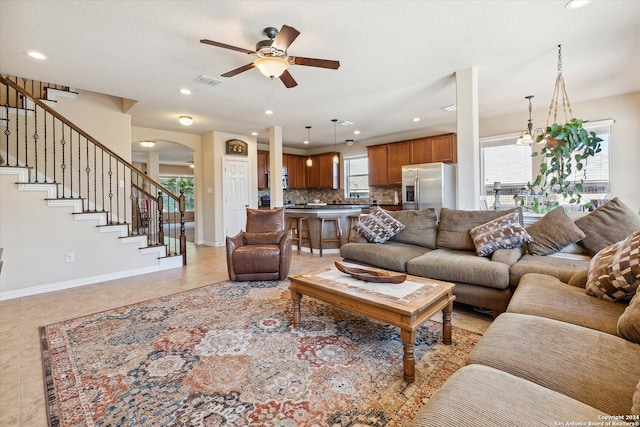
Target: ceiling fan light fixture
(185, 120)
(271, 66)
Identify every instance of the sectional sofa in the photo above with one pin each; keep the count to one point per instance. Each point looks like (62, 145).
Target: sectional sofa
(557, 357)
(443, 248)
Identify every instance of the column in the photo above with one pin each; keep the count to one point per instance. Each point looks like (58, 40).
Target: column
(468, 135)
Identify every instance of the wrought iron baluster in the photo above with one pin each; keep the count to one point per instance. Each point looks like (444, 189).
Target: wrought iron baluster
(110, 173)
(63, 166)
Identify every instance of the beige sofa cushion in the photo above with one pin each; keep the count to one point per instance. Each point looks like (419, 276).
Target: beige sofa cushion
(595, 368)
(614, 273)
(421, 227)
(454, 226)
(610, 223)
(460, 266)
(629, 321)
(391, 256)
(478, 395)
(562, 268)
(553, 232)
(546, 296)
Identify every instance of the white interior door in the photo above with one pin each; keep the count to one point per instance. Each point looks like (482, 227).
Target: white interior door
(235, 194)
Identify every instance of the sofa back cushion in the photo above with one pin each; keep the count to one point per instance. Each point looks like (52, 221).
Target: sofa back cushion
(608, 224)
(454, 226)
(421, 227)
(553, 232)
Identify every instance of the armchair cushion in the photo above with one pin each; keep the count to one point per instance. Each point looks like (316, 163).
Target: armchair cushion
(266, 238)
(261, 220)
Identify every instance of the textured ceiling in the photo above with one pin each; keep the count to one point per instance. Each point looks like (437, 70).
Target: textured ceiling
(398, 59)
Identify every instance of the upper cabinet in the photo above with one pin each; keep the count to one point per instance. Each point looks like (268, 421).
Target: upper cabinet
(432, 149)
(323, 173)
(263, 169)
(397, 155)
(295, 168)
(377, 156)
(386, 160)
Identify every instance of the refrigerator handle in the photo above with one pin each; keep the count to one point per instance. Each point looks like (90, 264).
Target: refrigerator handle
(416, 185)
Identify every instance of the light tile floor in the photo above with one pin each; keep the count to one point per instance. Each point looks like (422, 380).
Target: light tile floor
(22, 398)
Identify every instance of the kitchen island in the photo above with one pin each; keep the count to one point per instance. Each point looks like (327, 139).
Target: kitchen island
(316, 211)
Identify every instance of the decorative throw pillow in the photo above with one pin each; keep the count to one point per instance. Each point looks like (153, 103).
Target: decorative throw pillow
(378, 226)
(553, 232)
(614, 272)
(504, 232)
(629, 321)
(608, 224)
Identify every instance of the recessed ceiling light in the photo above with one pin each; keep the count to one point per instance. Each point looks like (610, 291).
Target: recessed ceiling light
(185, 91)
(254, 133)
(576, 4)
(356, 132)
(306, 141)
(451, 107)
(268, 112)
(147, 144)
(415, 119)
(36, 55)
(345, 123)
(185, 120)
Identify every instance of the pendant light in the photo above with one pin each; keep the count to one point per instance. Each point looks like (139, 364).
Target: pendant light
(526, 138)
(336, 156)
(309, 161)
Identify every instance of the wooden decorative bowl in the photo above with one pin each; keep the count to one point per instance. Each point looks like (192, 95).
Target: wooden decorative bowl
(372, 275)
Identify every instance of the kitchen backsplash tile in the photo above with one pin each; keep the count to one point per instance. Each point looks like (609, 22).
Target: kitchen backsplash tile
(377, 195)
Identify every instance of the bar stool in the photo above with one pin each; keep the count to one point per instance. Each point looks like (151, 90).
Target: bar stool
(298, 223)
(336, 238)
(353, 220)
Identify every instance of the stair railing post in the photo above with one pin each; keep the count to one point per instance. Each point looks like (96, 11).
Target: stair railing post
(160, 226)
(183, 237)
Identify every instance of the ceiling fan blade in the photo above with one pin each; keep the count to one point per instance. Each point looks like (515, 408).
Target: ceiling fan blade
(226, 46)
(238, 70)
(288, 80)
(285, 37)
(313, 62)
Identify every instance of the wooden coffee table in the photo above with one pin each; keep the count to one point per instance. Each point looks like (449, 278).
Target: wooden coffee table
(406, 305)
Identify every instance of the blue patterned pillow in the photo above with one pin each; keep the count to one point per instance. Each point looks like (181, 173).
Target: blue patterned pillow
(378, 226)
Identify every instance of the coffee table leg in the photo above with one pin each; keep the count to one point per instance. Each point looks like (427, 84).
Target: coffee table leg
(296, 297)
(446, 323)
(408, 360)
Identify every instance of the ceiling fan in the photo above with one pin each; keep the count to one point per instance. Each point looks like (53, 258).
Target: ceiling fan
(273, 60)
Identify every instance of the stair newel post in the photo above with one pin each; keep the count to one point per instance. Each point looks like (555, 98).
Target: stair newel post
(160, 226)
(183, 237)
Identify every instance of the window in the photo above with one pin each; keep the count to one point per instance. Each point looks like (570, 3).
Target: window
(177, 183)
(356, 176)
(503, 161)
(512, 166)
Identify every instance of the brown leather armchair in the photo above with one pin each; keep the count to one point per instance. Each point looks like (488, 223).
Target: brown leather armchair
(263, 252)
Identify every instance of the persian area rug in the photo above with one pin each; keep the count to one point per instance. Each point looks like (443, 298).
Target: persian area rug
(227, 355)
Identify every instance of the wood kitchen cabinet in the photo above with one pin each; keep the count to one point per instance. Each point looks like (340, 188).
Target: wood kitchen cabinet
(263, 169)
(323, 173)
(439, 148)
(397, 156)
(295, 167)
(377, 156)
(385, 163)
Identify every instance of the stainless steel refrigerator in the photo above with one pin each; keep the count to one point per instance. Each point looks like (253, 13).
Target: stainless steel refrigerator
(428, 185)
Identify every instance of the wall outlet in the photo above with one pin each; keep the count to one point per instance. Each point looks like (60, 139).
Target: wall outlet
(69, 256)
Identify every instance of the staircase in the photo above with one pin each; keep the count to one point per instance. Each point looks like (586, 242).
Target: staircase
(72, 212)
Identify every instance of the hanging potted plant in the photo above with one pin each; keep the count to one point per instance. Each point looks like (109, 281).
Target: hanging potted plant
(566, 150)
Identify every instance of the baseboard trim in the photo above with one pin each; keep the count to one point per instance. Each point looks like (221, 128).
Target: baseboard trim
(68, 284)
